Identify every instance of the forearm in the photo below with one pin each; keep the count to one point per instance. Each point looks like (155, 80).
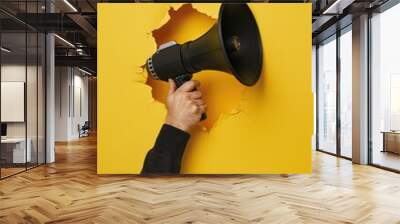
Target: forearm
(166, 155)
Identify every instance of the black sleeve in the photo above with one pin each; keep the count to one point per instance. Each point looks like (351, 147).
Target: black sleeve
(166, 155)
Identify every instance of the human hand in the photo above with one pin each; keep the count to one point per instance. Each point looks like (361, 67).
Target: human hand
(185, 105)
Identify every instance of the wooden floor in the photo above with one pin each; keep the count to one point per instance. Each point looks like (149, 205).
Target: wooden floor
(9, 171)
(387, 159)
(69, 191)
(5, 172)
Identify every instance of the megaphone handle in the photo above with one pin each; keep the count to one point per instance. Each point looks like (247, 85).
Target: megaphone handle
(179, 80)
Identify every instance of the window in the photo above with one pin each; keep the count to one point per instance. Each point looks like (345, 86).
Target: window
(385, 89)
(327, 95)
(346, 93)
(334, 73)
(394, 102)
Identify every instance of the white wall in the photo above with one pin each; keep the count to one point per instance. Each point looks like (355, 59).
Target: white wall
(62, 82)
(16, 73)
(12, 101)
(71, 102)
(80, 84)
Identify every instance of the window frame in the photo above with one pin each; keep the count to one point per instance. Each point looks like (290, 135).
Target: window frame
(381, 9)
(334, 37)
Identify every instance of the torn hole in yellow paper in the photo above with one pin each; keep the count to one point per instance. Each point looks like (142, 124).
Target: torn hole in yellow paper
(221, 91)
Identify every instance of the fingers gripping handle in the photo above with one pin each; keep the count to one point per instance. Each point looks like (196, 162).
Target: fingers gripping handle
(179, 80)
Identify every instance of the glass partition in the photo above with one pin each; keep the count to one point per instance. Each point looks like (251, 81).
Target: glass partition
(14, 153)
(22, 88)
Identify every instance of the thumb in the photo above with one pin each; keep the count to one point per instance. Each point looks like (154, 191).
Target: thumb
(172, 86)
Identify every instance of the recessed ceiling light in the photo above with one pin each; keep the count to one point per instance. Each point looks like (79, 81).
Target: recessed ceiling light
(5, 50)
(84, 71)
(70, 5)
(337, 7)
(65, 41)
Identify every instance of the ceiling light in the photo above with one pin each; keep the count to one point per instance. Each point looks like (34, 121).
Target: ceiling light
(65, 41)
(79, 51)
(70, 5)
(5, 50)
(337, 7)
(84, 71)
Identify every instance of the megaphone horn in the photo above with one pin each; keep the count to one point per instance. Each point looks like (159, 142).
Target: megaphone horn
(232, 45)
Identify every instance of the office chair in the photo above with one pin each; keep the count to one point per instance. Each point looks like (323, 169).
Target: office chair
(84, 130)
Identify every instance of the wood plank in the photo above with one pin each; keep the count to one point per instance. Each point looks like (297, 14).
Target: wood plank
(70, 191)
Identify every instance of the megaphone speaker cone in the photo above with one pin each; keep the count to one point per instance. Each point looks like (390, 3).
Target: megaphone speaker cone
(242, 42)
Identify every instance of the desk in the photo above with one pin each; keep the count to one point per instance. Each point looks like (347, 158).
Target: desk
(13, 150)
(391, 141)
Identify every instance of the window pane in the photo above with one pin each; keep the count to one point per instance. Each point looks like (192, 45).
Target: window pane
(386, 88)
(346, 94)
(327, 96)
(22, 90)
(14, 153)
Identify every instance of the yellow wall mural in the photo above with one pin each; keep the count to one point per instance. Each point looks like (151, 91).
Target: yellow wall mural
(266, 128)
